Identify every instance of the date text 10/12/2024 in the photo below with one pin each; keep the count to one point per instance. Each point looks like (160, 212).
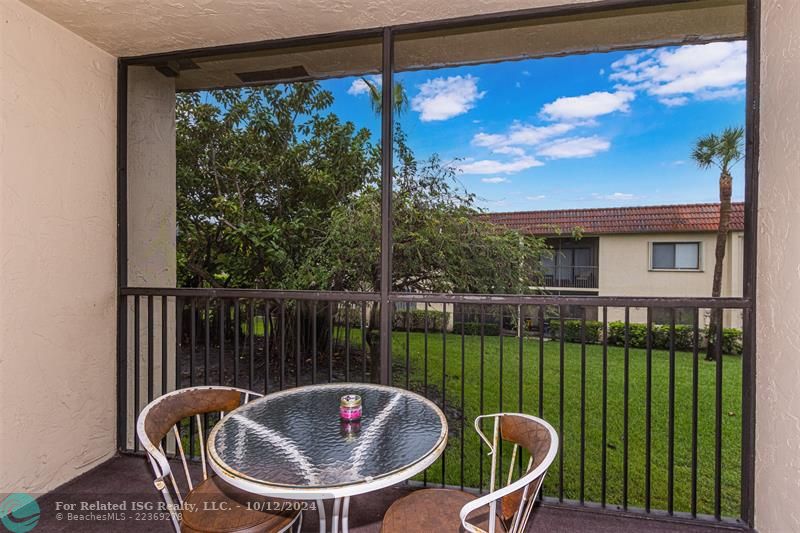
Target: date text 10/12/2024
(134, 505)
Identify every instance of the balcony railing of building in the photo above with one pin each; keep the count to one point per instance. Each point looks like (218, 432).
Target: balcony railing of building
(647, 424)
(570, 276)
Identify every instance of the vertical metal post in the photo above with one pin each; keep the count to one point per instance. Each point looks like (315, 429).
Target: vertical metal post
(137, 348)
(251, 327)
(604, 441)
(695, 388)
(387, 99)
(150, 350)
(648, 411)
(122, 255)
(750, 264)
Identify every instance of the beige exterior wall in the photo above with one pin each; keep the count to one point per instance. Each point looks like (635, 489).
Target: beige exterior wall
(624, 270)
(58, 250)
(778, 299)
(151, 224)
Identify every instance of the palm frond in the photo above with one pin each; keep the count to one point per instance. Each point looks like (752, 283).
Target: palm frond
(705, 151)
(731, 147)
(374, 94)
(400, 97)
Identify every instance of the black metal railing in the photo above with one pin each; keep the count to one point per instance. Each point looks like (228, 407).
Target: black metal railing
(570, 276)
(648, 423)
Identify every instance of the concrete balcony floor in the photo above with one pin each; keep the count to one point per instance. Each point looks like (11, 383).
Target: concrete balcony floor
(129, 479)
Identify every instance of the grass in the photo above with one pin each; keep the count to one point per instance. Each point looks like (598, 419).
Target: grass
(502, 361)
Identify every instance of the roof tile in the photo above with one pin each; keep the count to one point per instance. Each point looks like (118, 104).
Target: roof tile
(620, 220)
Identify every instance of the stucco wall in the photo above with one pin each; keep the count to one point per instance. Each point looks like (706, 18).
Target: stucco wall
(778, 300)
(151, 224)
(624, 270)
(57, 252)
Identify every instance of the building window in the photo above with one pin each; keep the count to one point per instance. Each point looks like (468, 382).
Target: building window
(675, 256)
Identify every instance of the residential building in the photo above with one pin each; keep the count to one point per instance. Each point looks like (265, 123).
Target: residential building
(649, 251)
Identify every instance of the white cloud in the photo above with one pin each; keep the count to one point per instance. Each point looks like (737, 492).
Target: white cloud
(574, 147)
(705, 72)
(520, 135)
(496, 179)
(535, 198)
(716, 94)
(491, 166)
(445, 98)
(509, 150)
(359, 86)
(587, 106)
(615, 197)
(674, 101)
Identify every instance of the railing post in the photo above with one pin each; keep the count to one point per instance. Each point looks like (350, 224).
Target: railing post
(387, 99)
(122, 255)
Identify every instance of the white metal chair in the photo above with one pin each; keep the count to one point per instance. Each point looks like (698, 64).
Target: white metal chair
(505, 509)
(211, 505)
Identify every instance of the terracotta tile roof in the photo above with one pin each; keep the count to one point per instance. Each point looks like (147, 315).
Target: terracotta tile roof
(617, 220)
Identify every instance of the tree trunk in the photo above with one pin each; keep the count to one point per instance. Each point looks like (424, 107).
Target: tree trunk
(725, 186)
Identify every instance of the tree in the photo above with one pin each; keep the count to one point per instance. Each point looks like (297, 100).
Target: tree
(721, 151)
(275, 191)
(439, 242)
(259, 171)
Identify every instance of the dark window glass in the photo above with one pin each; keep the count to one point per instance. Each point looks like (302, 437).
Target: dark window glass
(681, 255)
(663, 255)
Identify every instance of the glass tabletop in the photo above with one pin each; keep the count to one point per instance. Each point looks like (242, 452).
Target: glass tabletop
(295, 438)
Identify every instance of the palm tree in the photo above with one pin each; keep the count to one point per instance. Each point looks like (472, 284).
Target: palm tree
(376, 95)
(722, 151)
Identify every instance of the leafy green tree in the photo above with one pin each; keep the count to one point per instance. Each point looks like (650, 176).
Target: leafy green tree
(721, 151)
(439, 242)
(275, 191)
(259, 171)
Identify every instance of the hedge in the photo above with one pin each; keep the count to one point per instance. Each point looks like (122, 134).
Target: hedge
(474, 328)
(637, 335)
(416, 320)
(572, 331)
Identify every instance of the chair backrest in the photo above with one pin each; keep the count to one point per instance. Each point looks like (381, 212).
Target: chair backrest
(535, 445)
(163, 417)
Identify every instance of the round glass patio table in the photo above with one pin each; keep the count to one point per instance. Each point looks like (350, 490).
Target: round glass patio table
(293, 444)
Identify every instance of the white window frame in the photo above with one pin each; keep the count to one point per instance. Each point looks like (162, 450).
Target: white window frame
(651, 268)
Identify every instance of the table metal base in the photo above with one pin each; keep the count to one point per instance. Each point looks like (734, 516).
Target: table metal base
(339, 514)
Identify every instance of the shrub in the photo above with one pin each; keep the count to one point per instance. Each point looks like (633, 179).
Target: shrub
(684, 337)
(731, 341)
(474, 328)
(572, 331)
(637, 334)
(416, 320)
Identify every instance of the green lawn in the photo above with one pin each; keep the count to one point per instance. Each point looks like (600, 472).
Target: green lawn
(491, 363)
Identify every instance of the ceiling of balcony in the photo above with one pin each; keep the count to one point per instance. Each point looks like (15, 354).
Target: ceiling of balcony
(138, 27)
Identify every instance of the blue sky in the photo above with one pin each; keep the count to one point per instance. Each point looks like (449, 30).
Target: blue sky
(595, 130)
